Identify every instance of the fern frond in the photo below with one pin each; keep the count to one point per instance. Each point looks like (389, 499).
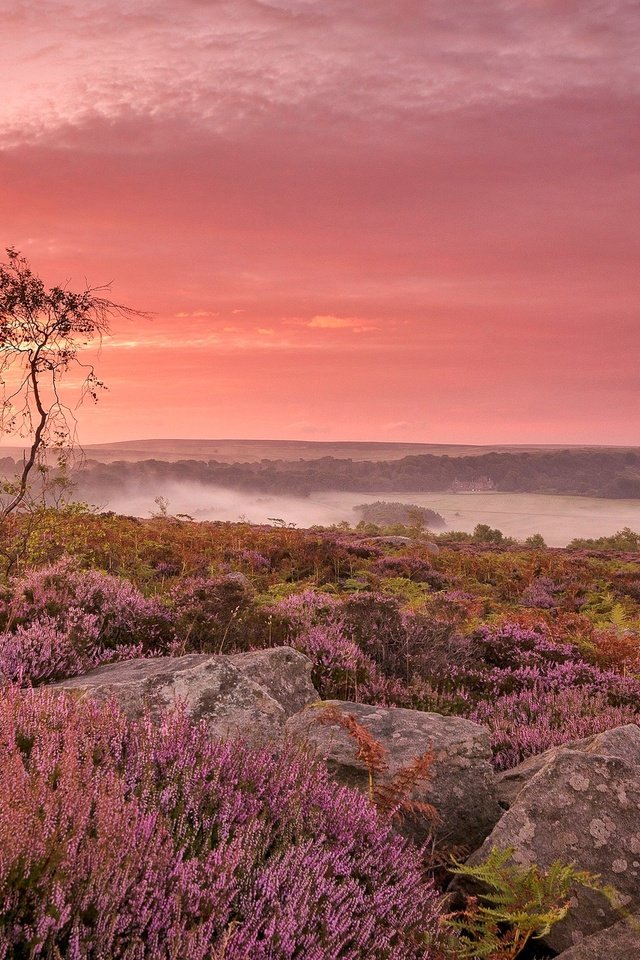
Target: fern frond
(517, 903)
(370, 751)
(618, 616)
(392, 797)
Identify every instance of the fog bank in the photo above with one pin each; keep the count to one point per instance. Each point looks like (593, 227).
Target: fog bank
(559, 519)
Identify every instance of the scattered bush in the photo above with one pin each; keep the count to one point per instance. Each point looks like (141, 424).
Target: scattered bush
(385, 514)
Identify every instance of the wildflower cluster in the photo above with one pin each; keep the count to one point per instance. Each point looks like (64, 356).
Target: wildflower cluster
(60, 621)
(133, 841)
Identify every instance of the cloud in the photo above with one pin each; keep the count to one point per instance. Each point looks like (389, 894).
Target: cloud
(329, 322)
(231, 65)
(463, 173)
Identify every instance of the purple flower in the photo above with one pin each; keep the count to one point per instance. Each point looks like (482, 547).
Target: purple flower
(132, 841)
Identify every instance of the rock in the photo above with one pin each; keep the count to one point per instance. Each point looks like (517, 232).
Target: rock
(622, 742)
(618, 942)
(248, 694)
(583, 808)
(462, 783)
(283, 672)
(237, 579)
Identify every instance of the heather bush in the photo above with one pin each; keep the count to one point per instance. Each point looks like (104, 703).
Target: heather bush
(252, 559)
(123, 614)
(342, 670)
(374, 621)
(46, 650)
(505, 656)
(311, 622)
(305, 609)
(59, 621)
(411, 568)
(216, 614)
(540, 593)
(366, 645)
(513, 658)
(535, 719)
(340, 667)
(404, 643)
(130, 841)
(512, 646)
(396, 641)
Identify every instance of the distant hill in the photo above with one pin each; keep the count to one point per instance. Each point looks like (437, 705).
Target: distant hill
(253, 451)
(301, 468)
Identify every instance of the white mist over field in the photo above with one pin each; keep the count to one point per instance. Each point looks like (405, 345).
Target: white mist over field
(559, 519)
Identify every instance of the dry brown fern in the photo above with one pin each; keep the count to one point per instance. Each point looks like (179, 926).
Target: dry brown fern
(438, 856)
(392, 796)
(370, 751)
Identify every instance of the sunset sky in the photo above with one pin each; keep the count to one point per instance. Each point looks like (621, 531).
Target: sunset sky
(412, 220)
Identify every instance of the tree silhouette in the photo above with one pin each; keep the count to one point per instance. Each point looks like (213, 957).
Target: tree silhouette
(42, 331)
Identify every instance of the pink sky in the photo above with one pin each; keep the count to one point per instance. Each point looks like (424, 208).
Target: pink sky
(393, 219)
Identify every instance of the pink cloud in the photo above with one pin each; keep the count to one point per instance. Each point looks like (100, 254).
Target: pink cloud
(464, 174)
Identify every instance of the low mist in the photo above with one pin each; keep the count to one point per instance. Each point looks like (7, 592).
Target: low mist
(558, 518)
(218, 503)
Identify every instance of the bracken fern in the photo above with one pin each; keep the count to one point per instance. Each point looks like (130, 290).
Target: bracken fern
(516, 903)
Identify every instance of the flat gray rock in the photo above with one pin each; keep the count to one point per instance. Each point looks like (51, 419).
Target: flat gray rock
(248, 694)
(461, 786)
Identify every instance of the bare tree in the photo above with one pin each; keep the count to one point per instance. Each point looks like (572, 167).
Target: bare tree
(42, 331)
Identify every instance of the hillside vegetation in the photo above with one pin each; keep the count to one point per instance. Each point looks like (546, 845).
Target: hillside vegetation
(591, 473)
(130, 840)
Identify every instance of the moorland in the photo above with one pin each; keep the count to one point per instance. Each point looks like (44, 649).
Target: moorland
(130, 839)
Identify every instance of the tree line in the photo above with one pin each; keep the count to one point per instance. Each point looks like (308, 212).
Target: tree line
(579, 472)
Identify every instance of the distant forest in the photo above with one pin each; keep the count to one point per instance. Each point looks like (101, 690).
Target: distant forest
(588, 472)
(385, 514)
(583, 472)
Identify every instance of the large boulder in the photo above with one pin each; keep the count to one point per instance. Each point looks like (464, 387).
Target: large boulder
(461, 785)
(582, 807)
(622, 742)
(618, 942)
(248, 694)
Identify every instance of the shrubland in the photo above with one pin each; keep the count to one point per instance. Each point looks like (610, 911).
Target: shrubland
(127, 840)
